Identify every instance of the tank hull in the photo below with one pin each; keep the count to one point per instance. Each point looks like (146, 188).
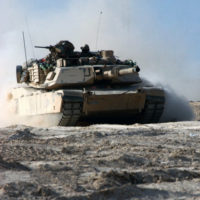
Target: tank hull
(75, 107)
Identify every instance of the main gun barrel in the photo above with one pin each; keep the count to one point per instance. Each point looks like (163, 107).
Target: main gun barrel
(114, 73)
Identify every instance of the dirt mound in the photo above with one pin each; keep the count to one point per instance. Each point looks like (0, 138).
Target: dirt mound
(26, 190)
(12, 165)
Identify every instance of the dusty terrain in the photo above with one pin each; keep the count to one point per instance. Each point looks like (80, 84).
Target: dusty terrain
(154, 161)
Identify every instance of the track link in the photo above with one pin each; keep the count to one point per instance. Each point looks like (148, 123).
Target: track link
(153, 110)
(71, 112)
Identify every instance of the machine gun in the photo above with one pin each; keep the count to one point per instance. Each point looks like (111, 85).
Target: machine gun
(46, 47)
(63, 49)
(50, 48)
(55, 53)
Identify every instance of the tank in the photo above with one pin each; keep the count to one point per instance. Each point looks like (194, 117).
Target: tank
(85, 87)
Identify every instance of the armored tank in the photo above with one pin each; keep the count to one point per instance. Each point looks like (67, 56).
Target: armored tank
(85, 87)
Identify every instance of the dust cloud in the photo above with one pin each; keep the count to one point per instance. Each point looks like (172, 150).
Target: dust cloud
(177, 107)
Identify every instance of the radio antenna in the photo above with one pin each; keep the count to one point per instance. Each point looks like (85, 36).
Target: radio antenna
(98, 30)
(30, 38)
(25, 49)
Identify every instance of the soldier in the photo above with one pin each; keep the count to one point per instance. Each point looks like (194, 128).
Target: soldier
(64, 49)
(45, 65)
(85, 51)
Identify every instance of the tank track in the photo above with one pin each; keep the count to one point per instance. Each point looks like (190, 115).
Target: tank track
(154, 107)
(71, 112)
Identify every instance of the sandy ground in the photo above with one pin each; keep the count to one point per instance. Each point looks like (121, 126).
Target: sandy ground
(154, 161)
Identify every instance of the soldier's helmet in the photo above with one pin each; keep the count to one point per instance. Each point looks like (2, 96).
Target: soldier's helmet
(65, 48)
(85, 49)
(66, 44)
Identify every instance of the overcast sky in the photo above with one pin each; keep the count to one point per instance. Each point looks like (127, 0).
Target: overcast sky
(163, 36)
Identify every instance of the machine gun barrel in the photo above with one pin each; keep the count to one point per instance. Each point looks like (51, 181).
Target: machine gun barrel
(44, 47)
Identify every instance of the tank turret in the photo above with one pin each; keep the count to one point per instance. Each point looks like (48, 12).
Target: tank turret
(86, 68)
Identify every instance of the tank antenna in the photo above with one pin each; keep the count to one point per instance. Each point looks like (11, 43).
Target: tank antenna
(98, 30)
(30, 38)
(25, 48)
